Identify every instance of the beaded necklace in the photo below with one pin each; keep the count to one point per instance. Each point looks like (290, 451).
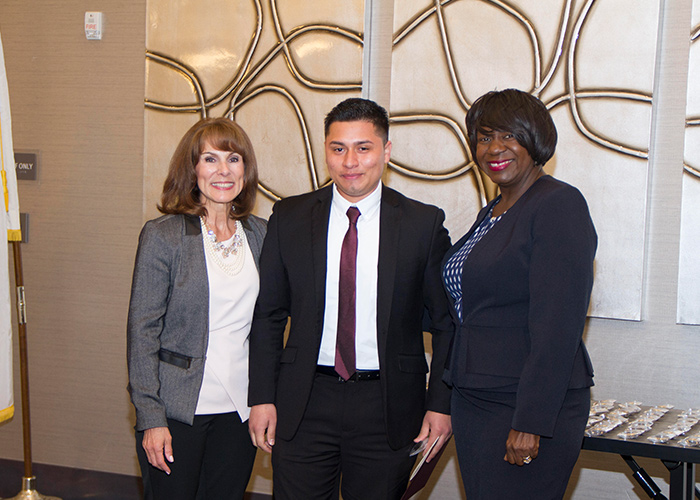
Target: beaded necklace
(230, 258)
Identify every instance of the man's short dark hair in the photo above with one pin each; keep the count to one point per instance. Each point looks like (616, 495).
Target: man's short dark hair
(356, 109)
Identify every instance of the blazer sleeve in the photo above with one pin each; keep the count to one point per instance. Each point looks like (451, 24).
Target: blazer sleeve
(563, 243)
(269, 319)
(150, 290)
(438, 312)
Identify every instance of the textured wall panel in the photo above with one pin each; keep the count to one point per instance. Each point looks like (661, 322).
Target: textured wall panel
(592, 64)
(277, 67)
(689, 265)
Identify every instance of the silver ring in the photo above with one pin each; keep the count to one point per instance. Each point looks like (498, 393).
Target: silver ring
(527, 459)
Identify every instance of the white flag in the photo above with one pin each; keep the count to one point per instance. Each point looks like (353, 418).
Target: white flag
(9, 225)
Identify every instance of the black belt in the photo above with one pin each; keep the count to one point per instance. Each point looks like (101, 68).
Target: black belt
(358, 376)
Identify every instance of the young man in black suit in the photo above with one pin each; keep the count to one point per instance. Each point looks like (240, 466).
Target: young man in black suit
(361, 426)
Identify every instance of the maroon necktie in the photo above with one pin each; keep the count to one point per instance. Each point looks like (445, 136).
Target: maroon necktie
(345, 340)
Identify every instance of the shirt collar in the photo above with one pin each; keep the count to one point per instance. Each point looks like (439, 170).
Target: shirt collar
(368, 206)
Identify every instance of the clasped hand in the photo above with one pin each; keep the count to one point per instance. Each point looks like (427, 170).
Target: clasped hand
(521, 447)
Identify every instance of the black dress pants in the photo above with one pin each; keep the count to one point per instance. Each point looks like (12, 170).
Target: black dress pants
(213, 460)
(342, 445)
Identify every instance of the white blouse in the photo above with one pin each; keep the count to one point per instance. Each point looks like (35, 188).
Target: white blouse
(231, 302)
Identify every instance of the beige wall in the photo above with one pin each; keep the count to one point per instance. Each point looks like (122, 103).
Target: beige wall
(80, 103)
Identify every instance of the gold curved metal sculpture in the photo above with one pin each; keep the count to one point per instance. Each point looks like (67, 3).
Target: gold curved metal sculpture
(239, 90)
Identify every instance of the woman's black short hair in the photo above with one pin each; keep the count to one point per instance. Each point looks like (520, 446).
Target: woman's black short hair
(519, 113)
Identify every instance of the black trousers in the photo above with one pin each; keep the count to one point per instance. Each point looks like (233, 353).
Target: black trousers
(213, 460)
(341, 444)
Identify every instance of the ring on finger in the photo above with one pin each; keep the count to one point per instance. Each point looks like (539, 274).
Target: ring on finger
(527, 459)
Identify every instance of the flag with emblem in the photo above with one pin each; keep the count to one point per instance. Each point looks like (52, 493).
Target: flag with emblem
(9, 225)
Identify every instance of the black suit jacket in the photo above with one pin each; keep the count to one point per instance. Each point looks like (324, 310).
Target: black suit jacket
(412, 242)
(526, 287)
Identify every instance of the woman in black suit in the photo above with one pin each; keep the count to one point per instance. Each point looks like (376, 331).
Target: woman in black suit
(520, 282)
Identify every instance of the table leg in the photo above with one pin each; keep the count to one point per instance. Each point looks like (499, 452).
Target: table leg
(644, 480)
(682, 480)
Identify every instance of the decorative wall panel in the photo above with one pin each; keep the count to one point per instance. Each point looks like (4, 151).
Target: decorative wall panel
(277, 67)
(689, 263)
(592, 63)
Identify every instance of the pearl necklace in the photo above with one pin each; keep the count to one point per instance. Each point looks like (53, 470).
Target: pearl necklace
(230, 258)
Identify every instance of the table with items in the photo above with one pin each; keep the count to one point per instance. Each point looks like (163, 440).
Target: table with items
(631, 429)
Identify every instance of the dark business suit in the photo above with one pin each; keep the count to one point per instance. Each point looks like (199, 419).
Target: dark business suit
(412, 241)
(526, 287)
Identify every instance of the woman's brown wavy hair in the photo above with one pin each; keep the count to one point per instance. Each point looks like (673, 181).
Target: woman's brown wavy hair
(180, 192)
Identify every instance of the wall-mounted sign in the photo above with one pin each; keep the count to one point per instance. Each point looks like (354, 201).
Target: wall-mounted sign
(26, 166)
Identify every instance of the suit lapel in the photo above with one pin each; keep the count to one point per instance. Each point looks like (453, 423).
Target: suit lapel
(320, 213)
(389, 231)
(192, 259)
(192, 225)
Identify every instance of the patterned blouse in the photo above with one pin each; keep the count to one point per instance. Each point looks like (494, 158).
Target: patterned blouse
(452, 273)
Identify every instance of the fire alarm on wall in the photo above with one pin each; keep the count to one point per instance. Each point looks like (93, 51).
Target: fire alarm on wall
(93, 25)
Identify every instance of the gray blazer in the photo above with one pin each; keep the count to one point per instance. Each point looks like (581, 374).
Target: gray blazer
(168, 325)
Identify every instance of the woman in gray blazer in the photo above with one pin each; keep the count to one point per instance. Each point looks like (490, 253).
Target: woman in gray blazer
(194, 288)
(520, 282)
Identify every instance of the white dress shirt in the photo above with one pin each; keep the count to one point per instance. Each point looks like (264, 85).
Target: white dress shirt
(367, 355)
